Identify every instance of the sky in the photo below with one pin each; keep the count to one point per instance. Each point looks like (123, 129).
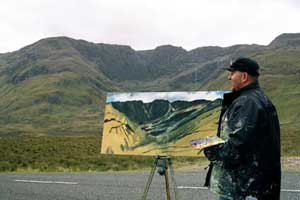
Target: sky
(146, 24)
(147, 97)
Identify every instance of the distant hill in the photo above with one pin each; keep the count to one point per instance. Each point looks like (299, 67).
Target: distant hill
(287, 40)
(57, 86)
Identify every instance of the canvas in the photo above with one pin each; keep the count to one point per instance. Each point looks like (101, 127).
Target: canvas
(159, 123)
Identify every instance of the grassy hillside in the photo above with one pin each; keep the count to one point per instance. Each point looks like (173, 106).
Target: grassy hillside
(53, 91)
(58, 104)
(48, 88)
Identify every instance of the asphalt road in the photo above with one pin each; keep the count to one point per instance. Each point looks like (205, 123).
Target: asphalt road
(116, 186)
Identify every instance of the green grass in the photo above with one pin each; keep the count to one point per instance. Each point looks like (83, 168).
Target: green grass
(76, 154)
(70, 154)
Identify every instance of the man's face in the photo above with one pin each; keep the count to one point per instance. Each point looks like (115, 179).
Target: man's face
(235, 78)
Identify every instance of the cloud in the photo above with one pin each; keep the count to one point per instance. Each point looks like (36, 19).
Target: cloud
(147, 97)
(147, 24)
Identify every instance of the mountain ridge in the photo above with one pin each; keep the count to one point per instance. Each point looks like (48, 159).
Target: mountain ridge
(107, 58)
(58, 85)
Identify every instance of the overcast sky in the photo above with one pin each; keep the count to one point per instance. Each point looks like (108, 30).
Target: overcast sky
(146, 24)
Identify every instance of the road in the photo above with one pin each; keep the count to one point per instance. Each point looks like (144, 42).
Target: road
(116, 186)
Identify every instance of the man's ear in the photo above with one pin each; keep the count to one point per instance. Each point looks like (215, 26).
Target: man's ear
(245, 77)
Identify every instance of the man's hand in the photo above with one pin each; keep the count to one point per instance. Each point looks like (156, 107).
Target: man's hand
(211, 152)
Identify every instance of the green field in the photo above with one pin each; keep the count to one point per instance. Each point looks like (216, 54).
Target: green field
(71, 154)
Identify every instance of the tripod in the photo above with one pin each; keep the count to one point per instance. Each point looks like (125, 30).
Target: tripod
(162, 163)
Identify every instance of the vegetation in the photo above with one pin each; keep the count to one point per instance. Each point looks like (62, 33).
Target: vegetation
(53, 94)
(70, 154)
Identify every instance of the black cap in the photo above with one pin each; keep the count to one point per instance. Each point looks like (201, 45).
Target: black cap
(245, 65)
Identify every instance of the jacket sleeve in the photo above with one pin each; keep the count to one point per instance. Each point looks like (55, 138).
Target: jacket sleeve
(240, 124)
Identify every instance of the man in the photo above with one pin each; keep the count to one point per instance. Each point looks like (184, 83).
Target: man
(247, 165)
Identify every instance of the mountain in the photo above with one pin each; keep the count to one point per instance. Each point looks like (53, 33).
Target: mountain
(57, 86)
(286, 40)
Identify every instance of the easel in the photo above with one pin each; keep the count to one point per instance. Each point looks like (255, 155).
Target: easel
(162, 163)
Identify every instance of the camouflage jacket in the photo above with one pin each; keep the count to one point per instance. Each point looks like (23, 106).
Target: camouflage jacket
(248, 163)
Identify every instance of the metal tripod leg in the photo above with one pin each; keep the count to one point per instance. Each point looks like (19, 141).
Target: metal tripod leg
(149, 182)
(173, 181)
(167, 186)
